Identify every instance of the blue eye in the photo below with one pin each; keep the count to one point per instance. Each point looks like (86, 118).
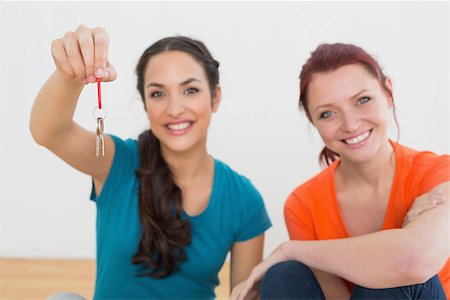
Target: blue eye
(191, 91)
(326, 115)
(363, 100)
(156, 94)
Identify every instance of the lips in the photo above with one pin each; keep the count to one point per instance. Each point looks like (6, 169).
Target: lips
(179, 128)
(357, 139)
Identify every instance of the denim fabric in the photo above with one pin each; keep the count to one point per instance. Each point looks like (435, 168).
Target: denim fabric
(294, 280)
(290, 280)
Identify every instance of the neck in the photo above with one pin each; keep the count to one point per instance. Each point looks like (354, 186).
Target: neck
(373, 173)
(189, 166)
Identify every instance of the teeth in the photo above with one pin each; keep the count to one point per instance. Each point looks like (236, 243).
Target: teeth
(358, 138)
(179, 126)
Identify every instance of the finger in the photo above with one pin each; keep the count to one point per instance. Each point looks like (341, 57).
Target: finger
(247, 288)
(438, 198)
(101, 46)
(86, 45)
(60, 58)
(110, 73)
(74, 55)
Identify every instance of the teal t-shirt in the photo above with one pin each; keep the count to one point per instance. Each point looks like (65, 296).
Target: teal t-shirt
(235, 213)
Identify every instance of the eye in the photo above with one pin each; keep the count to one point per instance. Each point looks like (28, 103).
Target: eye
(363, 100)
(156, 94)
(325, 114)
(191, 90)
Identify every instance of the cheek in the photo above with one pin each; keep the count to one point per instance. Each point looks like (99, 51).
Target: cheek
(152, 114)
(326, 136)
(327, 131)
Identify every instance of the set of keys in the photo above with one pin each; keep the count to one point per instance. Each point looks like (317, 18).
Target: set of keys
(99, 115)
(99, 140)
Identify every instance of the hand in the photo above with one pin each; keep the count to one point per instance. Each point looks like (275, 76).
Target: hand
(83, 55)
(423, 203)
(249, 289)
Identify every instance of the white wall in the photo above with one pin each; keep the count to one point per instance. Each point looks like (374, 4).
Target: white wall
(45, 211)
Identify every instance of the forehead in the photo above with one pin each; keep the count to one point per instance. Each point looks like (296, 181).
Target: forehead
(343, 82)
(173, 66)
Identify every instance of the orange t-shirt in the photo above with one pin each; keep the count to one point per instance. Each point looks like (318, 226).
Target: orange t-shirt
(312, 210)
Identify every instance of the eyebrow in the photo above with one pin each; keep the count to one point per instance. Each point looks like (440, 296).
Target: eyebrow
(352, 97)
(187, 81)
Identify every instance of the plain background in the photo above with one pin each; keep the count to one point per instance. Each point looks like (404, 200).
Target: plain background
(258, 130)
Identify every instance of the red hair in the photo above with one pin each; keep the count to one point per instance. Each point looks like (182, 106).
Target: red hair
(329, 57)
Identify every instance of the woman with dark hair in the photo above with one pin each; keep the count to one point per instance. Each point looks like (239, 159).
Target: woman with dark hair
(167, 212)
(368, 226)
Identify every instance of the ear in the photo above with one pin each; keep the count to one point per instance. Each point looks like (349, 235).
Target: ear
(389, 96)
(217, 97)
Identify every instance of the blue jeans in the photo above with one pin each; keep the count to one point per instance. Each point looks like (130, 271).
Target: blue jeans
(294, 280)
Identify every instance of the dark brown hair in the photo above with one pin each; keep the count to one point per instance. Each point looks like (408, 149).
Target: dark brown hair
(165, 232)
(329, 57)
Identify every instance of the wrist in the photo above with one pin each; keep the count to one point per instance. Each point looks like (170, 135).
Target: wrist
(63, 80)
(286, 251)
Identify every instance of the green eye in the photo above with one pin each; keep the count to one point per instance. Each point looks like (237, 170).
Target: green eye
(363, 100)
(325, 115)
(156, 94)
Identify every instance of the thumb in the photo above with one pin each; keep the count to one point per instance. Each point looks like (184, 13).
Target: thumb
(107, 75)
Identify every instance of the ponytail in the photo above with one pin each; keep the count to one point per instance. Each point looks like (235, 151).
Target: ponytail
(327, 157)
(164, 232)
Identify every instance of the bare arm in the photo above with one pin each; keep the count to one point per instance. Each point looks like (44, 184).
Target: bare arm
(386, 258)
(77, 56)
(244, 257)
(334, 287)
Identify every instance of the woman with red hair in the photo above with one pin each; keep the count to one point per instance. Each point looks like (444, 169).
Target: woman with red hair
(369, 225)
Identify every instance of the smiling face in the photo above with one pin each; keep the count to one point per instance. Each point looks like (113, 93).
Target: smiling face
(350, 110)
(178, 101)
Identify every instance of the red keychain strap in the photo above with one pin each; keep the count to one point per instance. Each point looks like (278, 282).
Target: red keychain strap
(99, 93)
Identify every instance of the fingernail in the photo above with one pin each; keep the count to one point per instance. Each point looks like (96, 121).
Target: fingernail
(106, 74)
(99, 72)
(85, 81)
(92, 79)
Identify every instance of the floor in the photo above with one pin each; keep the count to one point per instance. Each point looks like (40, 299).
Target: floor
(31, 279)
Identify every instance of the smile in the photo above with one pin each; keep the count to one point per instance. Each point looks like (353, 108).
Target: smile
(357, 139)
(179, 126)
(178, 129)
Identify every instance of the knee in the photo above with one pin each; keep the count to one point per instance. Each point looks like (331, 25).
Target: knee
(285, 273)
(290, 280)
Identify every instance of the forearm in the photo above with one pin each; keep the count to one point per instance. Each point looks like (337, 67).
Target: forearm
(53, 109)
(378, 260)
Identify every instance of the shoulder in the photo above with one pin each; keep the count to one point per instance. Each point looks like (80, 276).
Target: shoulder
(420, 171)
(241, 202)
(126, 155)
(419, 160)
(125, 144)
(234, 180)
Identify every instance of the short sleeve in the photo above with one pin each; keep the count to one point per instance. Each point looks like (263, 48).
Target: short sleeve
(254, 217)
(298, 218)
(124, 166)
(436, 171)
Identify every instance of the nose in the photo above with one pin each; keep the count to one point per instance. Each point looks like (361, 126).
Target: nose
(350, 122)
(175, 106)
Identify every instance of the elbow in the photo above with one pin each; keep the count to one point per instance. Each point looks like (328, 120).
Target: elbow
(37, 136)
(40, 134)
(417, 268)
